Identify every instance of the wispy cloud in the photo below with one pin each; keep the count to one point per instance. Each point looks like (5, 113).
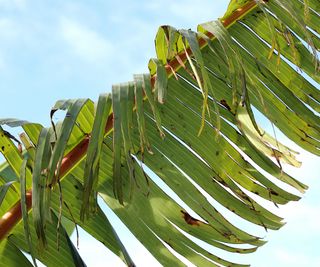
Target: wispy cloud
(189, 11)
(302, 215)
(8, 28)
(13, 4)
(85, 42)
(294, 258)
(8, 33)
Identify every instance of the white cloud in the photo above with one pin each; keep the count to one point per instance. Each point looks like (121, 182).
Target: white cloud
(302, 215)
(84, 42)
(288, 258)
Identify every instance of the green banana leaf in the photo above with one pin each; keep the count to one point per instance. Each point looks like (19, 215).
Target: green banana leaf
(175, 149)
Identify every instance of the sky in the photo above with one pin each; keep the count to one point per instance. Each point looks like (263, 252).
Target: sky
(51, 50)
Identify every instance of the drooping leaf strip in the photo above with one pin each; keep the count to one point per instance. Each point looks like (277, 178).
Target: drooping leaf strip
(24, 209)
(125, 104)
(157, 68)
(117, 138)
(203, 80)
(138, 91)
(60, 145)
(165, 43)
(146, 85)
(91, 170)
(40, 201)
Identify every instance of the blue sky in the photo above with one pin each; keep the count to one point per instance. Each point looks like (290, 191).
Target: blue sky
(52, 50)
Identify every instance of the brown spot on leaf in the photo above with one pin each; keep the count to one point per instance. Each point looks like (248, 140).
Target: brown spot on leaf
(224, 103)
(223, 183)
(272, 192)
(189, 219)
